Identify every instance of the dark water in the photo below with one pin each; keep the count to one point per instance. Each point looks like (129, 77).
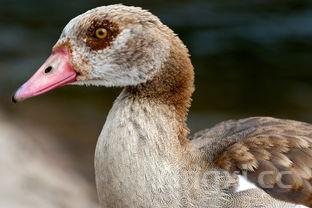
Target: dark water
(252, 57)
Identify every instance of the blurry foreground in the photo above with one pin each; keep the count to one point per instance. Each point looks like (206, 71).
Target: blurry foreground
(37, 173)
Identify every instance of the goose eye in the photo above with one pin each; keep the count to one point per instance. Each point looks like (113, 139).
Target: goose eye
(101, 33)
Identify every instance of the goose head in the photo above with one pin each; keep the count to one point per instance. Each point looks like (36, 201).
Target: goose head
(112, 46)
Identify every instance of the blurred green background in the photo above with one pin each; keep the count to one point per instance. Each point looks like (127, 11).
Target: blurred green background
(251, 58)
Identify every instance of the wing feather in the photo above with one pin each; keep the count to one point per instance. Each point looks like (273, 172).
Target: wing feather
(274, 154)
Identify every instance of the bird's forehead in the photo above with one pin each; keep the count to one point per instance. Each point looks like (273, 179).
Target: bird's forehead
(120, 15)
(82, 23)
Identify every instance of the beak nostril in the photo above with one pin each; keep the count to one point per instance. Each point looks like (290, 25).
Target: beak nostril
(47, 70)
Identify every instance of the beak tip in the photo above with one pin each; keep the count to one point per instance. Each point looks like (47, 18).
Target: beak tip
(13, 99)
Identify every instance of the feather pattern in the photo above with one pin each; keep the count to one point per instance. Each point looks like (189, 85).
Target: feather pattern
(274, 154)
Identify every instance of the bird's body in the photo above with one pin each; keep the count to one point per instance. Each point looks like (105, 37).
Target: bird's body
(145, 156)
(140, 162)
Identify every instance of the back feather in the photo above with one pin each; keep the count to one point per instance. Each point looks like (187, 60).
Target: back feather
(274, 154)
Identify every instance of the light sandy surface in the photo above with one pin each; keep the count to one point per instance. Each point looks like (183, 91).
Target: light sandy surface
(35, 172)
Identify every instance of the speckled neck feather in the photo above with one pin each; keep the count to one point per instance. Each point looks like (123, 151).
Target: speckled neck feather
(173, 86)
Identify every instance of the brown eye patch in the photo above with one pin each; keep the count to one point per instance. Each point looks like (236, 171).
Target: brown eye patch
(96, 43)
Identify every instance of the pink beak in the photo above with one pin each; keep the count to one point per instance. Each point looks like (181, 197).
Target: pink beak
(56, 72)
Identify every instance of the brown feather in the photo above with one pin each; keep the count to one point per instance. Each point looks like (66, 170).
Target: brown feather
(277, 154)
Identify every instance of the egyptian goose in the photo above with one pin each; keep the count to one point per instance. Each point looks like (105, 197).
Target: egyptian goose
(144, 156)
